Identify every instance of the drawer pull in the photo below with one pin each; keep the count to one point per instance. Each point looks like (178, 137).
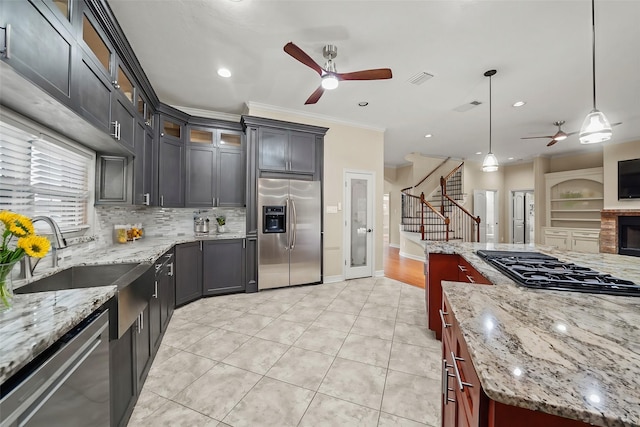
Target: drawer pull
(470, 279)
(462, 268)
(445, 325)
(461, 383)
(445, 383)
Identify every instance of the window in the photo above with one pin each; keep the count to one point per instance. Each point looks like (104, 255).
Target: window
(39, 177)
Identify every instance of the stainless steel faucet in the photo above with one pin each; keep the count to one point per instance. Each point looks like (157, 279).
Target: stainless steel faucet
(58, 242)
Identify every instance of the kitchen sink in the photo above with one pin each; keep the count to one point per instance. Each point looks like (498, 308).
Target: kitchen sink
(134, 282)
(81, 276)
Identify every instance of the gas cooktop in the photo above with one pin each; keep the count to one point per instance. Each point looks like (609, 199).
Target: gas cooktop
(536, 270)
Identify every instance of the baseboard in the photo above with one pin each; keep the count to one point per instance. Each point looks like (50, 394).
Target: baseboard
(394, 245)
(333, 279)
(415, 257)
(379, 273)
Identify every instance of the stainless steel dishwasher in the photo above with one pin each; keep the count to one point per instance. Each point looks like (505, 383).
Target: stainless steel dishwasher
(67, 385)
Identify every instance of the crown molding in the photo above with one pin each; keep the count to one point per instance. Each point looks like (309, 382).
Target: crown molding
(261, 106)
(208, 113)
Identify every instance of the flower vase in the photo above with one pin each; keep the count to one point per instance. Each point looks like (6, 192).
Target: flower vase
(222, 228)
(6, 285)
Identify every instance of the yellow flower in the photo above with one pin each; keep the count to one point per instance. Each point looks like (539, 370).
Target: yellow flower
(7, 217)
(21, 226)
(34, 246)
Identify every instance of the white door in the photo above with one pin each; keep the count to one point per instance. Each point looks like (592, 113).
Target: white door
(485, 205)
(358, 223)
(522, 211)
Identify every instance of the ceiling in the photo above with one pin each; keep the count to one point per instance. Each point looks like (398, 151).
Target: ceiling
(541, 50)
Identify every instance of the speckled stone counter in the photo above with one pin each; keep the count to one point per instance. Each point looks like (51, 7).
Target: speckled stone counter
(37, 320)
(569, 354)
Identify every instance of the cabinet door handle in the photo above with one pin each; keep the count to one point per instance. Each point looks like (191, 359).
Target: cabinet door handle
(462, 268)
(244, 243)
(115, 129)
(170, 273)
(115, 84)
(445, 383)
(461, 384)
(6, 51)
(470, 279)
(146, 199)
(155, 289)
(162, 200)
(444, 323)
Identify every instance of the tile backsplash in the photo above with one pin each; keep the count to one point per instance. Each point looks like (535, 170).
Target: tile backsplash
(156, 221)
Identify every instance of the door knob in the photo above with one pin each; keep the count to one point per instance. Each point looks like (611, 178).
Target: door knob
(369, 230)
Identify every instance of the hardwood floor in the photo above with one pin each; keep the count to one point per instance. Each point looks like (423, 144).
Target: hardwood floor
(403, 269)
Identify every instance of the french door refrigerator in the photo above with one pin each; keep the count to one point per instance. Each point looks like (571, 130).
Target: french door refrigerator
(289, 233)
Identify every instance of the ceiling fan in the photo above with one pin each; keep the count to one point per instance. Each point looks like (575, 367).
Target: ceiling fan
(330, 77)
(560, 135)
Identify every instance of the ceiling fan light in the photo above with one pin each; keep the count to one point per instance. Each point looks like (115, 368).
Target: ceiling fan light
(329, 82)
(561, 137)
(595, 128)
(490, 163)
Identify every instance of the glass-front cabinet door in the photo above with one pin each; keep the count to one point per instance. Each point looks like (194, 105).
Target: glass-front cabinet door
(230, 139)
(202, 136)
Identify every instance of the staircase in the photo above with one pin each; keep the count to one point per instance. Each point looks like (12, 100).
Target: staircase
(440, 216)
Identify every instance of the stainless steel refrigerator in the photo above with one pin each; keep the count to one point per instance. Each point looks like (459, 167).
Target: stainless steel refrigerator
(289, 233)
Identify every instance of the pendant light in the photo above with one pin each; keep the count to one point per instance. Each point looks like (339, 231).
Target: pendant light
(490, 163)
(595, 128)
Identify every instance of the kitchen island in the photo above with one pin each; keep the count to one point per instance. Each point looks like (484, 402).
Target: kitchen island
(569, 354)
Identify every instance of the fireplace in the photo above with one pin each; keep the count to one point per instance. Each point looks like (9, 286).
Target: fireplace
(629, 235)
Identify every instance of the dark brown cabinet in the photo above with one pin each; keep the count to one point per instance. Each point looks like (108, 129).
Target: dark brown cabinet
(464, 402)
(451, 267)
(143, 347)
(171, 163)
(143, 166)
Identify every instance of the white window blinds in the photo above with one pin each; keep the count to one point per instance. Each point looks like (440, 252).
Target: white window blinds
(39, 177)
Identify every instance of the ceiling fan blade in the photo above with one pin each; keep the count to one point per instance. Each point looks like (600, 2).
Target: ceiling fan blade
(616, 124)
(376, 74)
(537, 137)
(315, 96)
(552, 142)
(301, 56)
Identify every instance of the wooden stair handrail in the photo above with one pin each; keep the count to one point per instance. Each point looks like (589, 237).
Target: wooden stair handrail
(428, 175)
(446, 178)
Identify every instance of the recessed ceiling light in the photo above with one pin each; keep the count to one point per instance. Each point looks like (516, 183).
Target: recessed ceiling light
(224, 72)
(428, 135)
(478, 152)
(363, 103)
(519, 103)
(510, 158)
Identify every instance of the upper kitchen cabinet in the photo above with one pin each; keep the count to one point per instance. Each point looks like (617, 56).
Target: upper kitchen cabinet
(171, 159)
(143, 166)
(38, 42)
(279, 147)
(94, 83)
(286, 151)
(214, 164)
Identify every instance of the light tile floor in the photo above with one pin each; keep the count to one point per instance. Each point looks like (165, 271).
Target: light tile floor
(354, 353)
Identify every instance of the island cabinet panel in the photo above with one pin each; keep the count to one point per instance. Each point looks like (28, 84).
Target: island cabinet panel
(449, 267)
(122, 377)
(464, 401)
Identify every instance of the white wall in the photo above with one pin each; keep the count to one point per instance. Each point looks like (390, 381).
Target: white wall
(346, 147)
(612, 155)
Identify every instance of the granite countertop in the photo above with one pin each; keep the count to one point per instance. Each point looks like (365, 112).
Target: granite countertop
(38, 320)
(565, 353)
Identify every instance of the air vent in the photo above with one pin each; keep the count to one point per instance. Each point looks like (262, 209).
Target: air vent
(420, 78)
(466, 107)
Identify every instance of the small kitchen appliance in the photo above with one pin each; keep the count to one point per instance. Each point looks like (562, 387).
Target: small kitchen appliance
(200, 225)
(537, 270)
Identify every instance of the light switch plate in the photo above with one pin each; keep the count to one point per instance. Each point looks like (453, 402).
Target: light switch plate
(332, 209)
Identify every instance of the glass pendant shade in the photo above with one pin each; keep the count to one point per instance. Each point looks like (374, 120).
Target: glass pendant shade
(490, 163)
(329, 82)
(595, 128)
